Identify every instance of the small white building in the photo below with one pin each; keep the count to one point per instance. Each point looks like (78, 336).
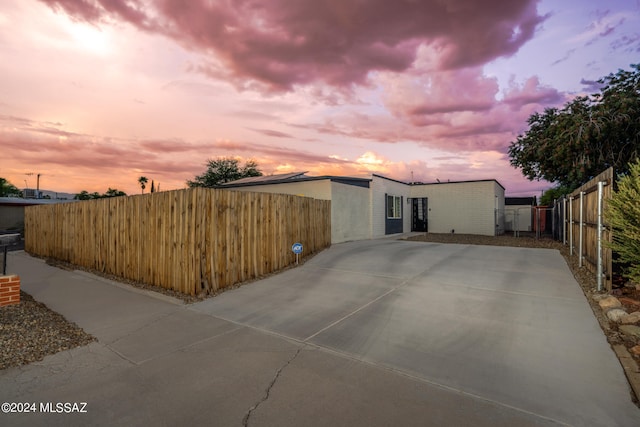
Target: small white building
(377, 206)
(518, 213)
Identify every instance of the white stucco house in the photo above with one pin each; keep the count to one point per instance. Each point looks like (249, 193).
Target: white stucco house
(377, 206)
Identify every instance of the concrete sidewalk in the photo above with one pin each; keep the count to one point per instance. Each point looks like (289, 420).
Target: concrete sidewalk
(364, 334)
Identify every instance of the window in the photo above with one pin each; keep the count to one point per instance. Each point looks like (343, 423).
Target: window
(394, 207)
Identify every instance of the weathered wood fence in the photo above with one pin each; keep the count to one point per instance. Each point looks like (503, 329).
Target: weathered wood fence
(585, 232)
(192, 241)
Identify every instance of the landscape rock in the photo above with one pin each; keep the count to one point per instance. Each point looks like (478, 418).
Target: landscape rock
(616, 314)
(635, 350)
(630, 318)
(632, 331)
(629, 301)
(609, 303)
(598, 297)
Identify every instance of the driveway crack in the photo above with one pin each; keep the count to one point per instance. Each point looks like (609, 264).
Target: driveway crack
(245, 420)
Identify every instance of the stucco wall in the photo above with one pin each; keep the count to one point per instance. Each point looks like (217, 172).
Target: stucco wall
(466, 207)
(11, 217)
(349, 213)
(319, 189)
(349, 204)
(379, 187)
(360, 213)
(499, 198)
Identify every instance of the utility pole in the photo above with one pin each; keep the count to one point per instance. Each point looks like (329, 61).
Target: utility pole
(37, 183)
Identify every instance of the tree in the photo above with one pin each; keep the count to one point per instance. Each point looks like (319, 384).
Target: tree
(111, 192)
(143, 182)
(569, 146)
(552, 194)
(623, 215)
(83, 195)
(7, 189)
(224, 169)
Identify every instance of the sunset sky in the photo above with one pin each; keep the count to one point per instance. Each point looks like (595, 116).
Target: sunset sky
(95, 93)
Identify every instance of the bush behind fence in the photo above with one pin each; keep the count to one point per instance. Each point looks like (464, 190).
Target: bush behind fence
(192, 241)
(588, 247)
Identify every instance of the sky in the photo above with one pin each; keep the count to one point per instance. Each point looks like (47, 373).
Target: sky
(96, 93)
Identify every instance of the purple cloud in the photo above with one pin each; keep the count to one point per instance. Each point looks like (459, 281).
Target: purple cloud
(281, 44)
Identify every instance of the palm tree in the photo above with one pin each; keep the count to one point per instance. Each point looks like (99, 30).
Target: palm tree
(143, 182)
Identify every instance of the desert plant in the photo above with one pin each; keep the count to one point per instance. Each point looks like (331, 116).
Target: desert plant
(623, 215)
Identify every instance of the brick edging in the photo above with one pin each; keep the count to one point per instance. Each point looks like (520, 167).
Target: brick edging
(9, 290)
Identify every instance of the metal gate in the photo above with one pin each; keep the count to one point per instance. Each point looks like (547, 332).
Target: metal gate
(420, 219)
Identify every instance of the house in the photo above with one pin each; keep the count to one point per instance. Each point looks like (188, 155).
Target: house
(377, 206)
(518, 213)
(12, 210)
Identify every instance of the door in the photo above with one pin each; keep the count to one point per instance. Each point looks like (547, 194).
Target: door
(420, 220)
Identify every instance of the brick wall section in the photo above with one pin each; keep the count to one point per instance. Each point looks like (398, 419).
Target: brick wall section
(9, 290)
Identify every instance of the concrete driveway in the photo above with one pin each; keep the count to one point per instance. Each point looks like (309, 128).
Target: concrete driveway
(371, 333)
(505, 325)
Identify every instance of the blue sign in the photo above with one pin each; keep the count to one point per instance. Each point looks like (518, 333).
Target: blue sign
(297, 248)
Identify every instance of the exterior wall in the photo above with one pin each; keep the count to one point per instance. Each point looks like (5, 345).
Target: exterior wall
(11, 216)
(466, 207)
(475, 207)
(499, 208)
(349, 204)
(380, 187)
(349, 213)
(319, 189)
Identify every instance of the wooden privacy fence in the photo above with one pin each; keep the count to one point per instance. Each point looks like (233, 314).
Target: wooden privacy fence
(586, 230)
(192, 241)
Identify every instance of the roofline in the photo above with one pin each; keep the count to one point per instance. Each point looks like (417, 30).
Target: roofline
(291, 180)
(18, 201)
(460, 182)
(390, 179)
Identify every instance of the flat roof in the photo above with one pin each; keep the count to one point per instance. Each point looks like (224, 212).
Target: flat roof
(18, 201)
(264, 179)
(300, 177)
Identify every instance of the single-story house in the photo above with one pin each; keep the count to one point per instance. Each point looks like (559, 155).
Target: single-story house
(377, 206)
(12, 210)
(518, 213)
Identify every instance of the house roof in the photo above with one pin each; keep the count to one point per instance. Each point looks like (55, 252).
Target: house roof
(294, 177)
(264, 179)
(514, 201)
(18, 201)
(437, 183)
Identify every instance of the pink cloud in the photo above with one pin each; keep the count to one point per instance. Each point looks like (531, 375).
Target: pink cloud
(532, 92)
(450, 110)
(417, 95)
(94, 163)
(282, 44)
(273, 133)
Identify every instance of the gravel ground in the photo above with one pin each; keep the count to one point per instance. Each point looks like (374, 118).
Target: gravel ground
(30, 331)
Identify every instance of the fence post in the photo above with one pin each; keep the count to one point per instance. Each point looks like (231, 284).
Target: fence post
(571, 225)
(4, 261)
(554, 212)
(564, 220)
(599, 231)
(580, 231)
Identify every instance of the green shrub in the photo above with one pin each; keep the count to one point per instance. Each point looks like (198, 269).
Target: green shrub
(623, 216)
